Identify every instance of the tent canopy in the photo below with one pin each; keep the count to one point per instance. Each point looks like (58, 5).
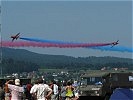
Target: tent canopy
(122, 94)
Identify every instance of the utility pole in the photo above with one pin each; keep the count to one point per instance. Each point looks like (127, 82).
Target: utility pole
(1, 69)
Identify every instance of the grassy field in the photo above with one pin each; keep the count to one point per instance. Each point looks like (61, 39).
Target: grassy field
(52, 70)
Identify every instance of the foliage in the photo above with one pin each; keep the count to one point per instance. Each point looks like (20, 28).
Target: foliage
(18, 60)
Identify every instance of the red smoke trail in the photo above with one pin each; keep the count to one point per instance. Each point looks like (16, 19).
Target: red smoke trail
(41, 44)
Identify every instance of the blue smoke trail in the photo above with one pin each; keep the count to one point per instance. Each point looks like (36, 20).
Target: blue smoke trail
(102, 48)
(62, 42)
(47, 41)
(115, 48)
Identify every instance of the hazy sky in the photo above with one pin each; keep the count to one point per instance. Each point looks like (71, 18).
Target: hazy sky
(78, 21)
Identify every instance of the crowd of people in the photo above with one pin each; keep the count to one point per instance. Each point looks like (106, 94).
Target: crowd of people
(40, 90)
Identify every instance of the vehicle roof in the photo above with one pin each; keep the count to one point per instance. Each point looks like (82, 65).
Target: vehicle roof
(101, 73)
(95, 73)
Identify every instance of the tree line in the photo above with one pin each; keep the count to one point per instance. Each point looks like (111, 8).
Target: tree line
(12, 66)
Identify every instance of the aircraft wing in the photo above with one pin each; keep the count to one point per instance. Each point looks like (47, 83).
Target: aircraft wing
(18, 34)
(13, 39)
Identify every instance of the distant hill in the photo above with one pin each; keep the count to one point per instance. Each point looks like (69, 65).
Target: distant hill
(61, 61)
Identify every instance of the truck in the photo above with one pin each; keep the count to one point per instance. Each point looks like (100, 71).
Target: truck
(103, 83)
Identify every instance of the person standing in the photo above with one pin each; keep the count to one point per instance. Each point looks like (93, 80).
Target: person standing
(7, 91)
(16, 90)
(28, 87)
(55, 89)
(63, 91)
(33, 90)
(2, 93)
(69, 91)
(42, 90)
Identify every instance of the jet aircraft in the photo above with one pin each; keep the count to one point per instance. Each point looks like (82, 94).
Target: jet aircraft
(115, 43)
(15, 37)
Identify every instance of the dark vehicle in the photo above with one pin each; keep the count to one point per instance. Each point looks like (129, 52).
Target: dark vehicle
(103, 83)
(92, 83)
(117, 80)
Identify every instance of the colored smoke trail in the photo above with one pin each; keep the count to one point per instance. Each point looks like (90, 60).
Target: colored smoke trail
(43, 44)
(46, 41)
(47, 45)
(115, 48)
(67, 44)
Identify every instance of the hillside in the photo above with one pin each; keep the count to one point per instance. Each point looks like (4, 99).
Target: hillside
(61, 61)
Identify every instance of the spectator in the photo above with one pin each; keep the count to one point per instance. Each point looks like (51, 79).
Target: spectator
(33, 89)
(63, 91)
(7, 91)
(27, 91)
(55, 93)
(42, 90)
(16, 90)
(2, 93)
(69, 91)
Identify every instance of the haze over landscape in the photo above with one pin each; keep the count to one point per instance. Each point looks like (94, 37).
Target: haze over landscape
(72, 21)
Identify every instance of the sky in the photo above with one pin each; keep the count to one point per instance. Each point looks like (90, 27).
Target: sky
(73, 21)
